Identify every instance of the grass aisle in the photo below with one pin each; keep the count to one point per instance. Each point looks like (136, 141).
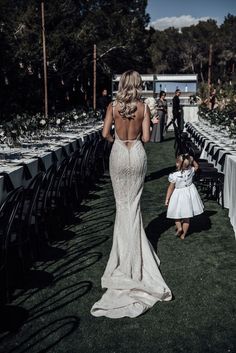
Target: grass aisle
(199, 270)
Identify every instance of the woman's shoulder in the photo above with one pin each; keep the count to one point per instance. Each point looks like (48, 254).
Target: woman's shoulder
(142, 107)
(111, 105)
(141, 104)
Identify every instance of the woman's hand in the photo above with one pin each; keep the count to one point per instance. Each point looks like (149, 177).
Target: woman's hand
(155, 119)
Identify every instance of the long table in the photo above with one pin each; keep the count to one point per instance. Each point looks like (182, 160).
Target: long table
(15, 173)
(221, 151)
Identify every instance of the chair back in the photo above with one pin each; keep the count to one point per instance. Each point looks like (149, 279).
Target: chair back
(29, 201)
(8, 212)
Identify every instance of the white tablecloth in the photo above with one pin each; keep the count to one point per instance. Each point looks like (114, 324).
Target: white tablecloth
(190, 113)
(16, 173)
(218, 144)
(230, 188)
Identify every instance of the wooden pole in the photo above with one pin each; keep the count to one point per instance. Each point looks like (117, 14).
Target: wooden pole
(209, 67)
(94, 75)
(44, 62)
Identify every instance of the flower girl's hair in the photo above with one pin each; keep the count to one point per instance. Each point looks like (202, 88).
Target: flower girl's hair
(129, 92)
(184, 161)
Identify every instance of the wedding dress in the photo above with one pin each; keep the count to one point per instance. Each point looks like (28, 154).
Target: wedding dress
(132, 278)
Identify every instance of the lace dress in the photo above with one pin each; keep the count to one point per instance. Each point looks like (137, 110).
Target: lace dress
(132, 278)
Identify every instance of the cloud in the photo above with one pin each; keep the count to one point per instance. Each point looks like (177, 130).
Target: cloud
(177, 22)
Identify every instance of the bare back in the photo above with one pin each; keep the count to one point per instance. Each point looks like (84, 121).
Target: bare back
(128, 129)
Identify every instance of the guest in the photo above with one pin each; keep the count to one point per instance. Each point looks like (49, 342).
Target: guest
(176, 108)
(182, 197)
(158, 128)
(212, 99)
(151, 102)
(103, 102)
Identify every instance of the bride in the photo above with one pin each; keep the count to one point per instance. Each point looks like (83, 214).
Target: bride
(132, 278)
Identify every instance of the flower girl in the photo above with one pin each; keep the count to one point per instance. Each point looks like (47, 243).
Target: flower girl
(182, 197)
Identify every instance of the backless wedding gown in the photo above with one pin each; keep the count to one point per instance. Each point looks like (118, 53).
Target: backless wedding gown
(132, 278)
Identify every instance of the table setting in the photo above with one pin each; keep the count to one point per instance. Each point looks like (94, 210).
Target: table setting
(23, 157)
(218, 146)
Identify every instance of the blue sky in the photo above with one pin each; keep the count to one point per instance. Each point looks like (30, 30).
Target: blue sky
(180, 13)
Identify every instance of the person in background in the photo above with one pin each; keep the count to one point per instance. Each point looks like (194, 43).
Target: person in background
(152, 104)
(158, 128)
(103, 102)
(176, 108)
(182, 198)
(212, 99)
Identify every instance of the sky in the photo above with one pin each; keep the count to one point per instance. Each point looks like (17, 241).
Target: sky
(183, 13)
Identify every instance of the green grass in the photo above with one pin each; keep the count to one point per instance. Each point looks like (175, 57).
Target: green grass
(53, 314)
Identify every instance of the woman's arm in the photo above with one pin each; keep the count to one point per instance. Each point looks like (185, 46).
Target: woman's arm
(108, 124)
(146, 126)
(169, 193)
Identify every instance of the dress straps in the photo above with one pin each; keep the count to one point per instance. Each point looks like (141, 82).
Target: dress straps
(113, 110)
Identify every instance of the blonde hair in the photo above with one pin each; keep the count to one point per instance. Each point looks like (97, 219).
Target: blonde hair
(129, 92)
(183, 162)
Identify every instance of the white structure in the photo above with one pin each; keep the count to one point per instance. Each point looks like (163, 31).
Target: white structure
(153, 83)
(148, 85)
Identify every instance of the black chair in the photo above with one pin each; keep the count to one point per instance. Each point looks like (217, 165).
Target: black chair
(26, 218)
(192, 150)
(100, 157)
(178, 145)
(68, 188)
(41, 233)
(87, 167)
(207, 179)
(211, 182)
(93, 161)
(54, 217)
(83, 171)
(8, 261)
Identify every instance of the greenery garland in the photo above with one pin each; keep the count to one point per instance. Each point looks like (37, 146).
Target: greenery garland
(225, 117)
(24, 125)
